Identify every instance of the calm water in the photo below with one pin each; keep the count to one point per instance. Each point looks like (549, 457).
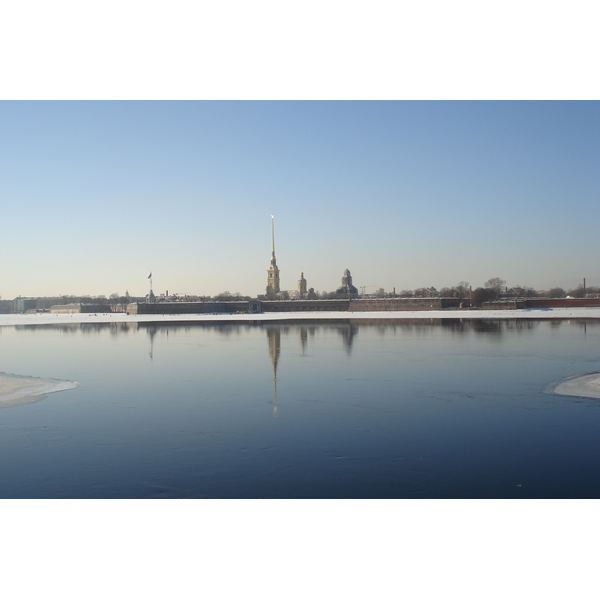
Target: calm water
(395, 409)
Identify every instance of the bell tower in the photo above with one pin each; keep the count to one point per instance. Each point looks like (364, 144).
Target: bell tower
(273, 270)
(302, 286)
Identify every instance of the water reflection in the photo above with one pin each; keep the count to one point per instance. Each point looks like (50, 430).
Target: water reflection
(364, 408)
(347, 329)
(152, 330)
(274, 339)
(303, 337)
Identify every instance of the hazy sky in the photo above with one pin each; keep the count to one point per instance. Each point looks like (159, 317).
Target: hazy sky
(405, 194)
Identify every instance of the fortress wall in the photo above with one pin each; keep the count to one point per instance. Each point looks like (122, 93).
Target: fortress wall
(377, 304)
(85, 308)
(274, 306)
(557, 302)
(182, 308)
(500, 305)
(511, 304)
(304, 305)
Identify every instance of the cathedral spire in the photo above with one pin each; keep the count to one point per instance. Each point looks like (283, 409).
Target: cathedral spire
(272, 271)
(272, 237)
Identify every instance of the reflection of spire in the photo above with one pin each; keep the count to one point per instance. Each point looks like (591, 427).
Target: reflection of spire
(348, 333)
(303, 334)
(152, 333)
(274, 339)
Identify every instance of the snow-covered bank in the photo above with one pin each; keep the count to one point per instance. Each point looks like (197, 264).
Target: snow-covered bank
(17, 389)
(546, 313)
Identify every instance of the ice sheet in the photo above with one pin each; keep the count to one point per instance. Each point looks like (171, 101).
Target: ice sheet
(546, 313)
(585, 386)
(17, 389)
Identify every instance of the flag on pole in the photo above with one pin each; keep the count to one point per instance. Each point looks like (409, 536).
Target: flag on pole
(150, 275)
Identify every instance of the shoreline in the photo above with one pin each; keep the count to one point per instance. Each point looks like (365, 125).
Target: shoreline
(525, 313)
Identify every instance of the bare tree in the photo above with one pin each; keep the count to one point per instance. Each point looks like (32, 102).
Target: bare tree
(578, 292)
(481, 295)
(223, 296)
(523, 292)
(462, 288)
(557, 292)
(587, 292)
(496, 284)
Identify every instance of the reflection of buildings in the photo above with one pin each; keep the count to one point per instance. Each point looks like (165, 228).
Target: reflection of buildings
(348, 332)
(274, 339)
(272, 271)
(303, 337)
(152, 332)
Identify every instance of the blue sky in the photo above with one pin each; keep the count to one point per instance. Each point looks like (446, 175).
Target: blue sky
(405, 194)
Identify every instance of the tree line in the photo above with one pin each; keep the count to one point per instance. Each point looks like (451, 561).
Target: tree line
(493, 289)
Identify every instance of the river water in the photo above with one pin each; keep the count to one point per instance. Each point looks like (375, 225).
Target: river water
(341, 409)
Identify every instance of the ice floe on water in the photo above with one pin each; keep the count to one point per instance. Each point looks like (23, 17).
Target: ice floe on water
(584, 386)
(18, 389)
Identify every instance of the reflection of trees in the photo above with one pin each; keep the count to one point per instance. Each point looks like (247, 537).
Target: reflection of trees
(63, 328)
(521, 325)
(584, 324)
(85, 328)
(346, 328)
(489, 327)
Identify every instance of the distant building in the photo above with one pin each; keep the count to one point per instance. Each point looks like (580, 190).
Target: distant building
(273, 271)
(25, 304)
(150, 298)
(302, 292)
(80, 307)
(347, 289)
(74, 307)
